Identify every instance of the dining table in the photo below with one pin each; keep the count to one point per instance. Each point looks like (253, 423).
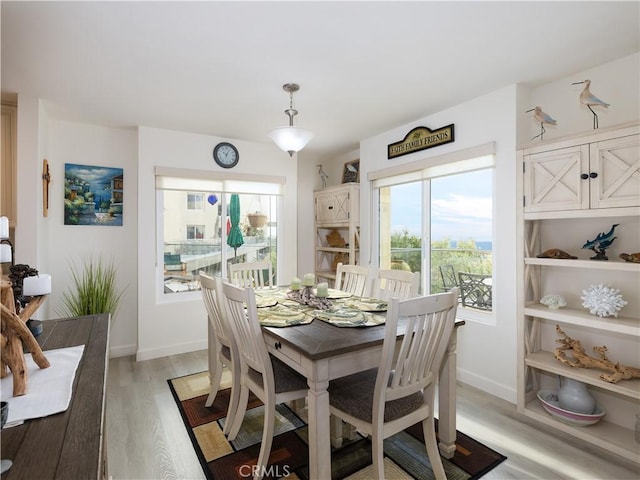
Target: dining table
(342, 337)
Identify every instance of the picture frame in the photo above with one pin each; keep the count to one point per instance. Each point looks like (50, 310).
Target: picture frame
(93, 195)
(351, 172)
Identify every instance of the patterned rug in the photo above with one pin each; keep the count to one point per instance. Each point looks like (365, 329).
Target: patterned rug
(405, 454)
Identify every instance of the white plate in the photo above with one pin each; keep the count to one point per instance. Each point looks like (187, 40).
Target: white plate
(550, 403)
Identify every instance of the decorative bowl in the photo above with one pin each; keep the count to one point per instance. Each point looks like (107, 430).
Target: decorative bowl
(550, 403)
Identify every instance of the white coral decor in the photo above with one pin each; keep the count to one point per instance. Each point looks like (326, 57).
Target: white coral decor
(603, 300)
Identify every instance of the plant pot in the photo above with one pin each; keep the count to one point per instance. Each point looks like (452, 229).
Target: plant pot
(257, 220)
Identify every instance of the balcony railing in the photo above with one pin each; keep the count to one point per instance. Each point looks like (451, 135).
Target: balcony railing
(468, 260)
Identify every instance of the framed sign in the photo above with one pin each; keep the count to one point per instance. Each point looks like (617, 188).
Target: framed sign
(420, 138)
(351, 172)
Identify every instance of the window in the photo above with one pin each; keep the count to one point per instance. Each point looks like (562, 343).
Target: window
(195, 201)
(195, 232)
(438, 220)
(195, 220)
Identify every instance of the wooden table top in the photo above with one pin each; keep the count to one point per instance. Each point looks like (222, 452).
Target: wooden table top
(68, 444)
(318, 339)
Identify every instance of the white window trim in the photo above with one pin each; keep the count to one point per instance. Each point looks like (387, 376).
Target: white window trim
(182, 179)
(479, 157)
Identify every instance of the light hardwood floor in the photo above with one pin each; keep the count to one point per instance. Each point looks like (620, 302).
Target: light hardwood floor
(147, 439)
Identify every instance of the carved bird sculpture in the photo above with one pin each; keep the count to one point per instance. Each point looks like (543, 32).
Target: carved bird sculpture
(589, 99)
(323, 176)
(542, 118)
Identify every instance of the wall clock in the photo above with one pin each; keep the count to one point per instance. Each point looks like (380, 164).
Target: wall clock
(226, 155)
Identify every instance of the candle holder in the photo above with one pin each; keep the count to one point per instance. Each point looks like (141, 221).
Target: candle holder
(306, 296)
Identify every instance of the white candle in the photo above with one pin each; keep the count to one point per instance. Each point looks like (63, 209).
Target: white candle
(322, 290)
(5, 253)
(40, 285)
(295, 283)
(309, 280)
(4, 227)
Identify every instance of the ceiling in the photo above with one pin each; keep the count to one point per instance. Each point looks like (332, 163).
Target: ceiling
(363, 67)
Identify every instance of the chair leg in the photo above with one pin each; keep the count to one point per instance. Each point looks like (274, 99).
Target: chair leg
(429, 431)
(377, 456)
(336, 431)
(234, 401)
(238, 416)
(214, 379)
(267, 439)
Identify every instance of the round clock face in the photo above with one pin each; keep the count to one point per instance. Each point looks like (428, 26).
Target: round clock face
(226, 155)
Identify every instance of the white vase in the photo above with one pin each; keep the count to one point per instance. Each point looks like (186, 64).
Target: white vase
(574, 396)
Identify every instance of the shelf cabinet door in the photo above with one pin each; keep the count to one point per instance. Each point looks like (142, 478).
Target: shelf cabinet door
(552, 180)
(333, 207)
(617, 165)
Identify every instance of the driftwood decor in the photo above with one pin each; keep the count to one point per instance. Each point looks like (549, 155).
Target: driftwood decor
(580, 359)
(14, 334)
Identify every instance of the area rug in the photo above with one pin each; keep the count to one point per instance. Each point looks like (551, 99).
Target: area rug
(405, 454)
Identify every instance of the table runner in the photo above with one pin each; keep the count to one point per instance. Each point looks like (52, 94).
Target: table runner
(276, 309)
(48, 389)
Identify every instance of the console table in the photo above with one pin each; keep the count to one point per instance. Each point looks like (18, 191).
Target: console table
(69, 444)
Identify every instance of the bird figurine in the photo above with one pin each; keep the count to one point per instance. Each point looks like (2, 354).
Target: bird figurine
(601, 243)
(543, 118)
(323, 176)
(587, 98)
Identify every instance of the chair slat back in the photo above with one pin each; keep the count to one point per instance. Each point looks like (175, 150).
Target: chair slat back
(416, 361)
(396, 283)
(355, 279)
(212, 303)
(246, 328)
(251, 274)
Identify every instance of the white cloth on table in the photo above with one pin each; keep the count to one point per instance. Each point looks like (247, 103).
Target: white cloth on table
(49, 389)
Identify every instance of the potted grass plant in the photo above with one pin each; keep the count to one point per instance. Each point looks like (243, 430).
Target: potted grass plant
(94, 289)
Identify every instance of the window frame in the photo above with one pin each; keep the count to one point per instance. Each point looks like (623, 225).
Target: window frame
(224, 183)
(481, 157)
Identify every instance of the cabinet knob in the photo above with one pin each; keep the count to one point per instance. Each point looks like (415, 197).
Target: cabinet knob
(593, 175)
(330, 207)
(278, 345)
(584, 176)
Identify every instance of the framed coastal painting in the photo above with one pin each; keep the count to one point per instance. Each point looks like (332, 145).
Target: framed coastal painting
(93, 195)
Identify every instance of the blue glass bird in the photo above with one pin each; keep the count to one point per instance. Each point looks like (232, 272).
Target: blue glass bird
(587, 98)
(542, 118)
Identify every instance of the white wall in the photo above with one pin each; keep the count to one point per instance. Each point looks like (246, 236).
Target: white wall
(171, 324)
(490, 118)
(487, 354)
(616, 83)
(71, 244)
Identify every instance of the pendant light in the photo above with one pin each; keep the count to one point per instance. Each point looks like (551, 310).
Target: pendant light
(290, 139)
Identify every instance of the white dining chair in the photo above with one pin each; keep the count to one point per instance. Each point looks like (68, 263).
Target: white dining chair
(221, 345)
(355, 279)
(251, 274)
(395, 283)
(399, 393)
(268, 378)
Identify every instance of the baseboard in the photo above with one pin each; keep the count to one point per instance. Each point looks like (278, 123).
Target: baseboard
(122, 351)
(499, 390)
(150, 354)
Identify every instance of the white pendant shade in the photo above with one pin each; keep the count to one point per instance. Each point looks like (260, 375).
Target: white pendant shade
(290, 139)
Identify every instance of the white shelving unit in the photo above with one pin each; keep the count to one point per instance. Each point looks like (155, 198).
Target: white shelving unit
(337, 209)
(573, 188)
